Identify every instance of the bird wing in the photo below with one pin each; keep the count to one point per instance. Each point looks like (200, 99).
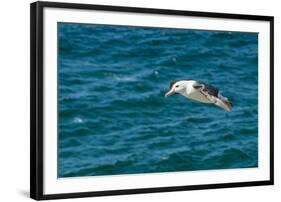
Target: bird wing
(212, 94)
(206, 89)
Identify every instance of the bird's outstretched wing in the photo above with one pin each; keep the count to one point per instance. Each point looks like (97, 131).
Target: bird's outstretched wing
(206, 88)
(212, 94)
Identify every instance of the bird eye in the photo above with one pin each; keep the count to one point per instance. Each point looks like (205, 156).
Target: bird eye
(177, 86)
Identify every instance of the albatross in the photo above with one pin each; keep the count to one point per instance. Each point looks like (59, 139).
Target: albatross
(201, 92)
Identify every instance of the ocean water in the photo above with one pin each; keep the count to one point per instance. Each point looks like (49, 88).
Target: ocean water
(114, 118)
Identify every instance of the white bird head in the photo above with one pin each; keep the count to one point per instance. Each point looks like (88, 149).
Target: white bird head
(176, 87)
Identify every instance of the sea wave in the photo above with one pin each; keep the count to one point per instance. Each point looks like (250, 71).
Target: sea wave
(113, 117)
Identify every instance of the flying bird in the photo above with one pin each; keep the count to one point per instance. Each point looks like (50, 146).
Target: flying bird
(199, 91)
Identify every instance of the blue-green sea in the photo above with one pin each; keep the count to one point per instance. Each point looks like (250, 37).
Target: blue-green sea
(114, 118)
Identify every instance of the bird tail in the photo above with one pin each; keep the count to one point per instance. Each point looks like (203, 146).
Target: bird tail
(224, 103)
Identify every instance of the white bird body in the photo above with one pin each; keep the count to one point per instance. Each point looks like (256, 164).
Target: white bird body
(200, 92)
(198, 97)
(192, 93)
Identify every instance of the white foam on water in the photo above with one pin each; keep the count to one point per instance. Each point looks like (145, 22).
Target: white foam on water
(78, 120)
(156, 73)
(124, 78)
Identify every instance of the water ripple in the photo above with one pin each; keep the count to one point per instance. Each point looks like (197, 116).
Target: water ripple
(114, 118)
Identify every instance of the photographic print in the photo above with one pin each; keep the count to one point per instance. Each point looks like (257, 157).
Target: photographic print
(128, 100)
(117, 114)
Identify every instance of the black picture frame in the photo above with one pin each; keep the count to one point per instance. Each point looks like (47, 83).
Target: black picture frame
(37, 99)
